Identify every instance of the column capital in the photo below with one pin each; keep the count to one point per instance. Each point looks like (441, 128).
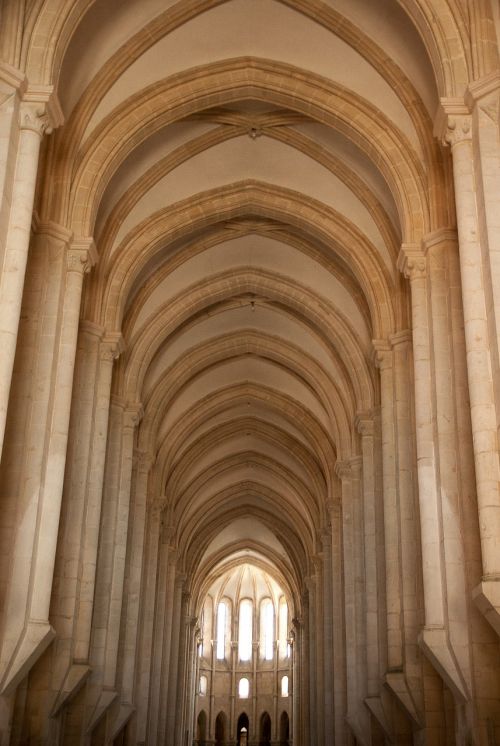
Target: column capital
(111, 347)
(343, 469)
(356, 466)
(143, 459)
(453, 122)
(412, 262)
(81, 255)
(40, 110)
(156, 506)
(132, 414)
(382, 353)
(364, 424)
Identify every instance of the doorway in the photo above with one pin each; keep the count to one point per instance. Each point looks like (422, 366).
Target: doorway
(220, 729)
(242, 729)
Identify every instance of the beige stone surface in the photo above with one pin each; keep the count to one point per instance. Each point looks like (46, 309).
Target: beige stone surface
(249, 349)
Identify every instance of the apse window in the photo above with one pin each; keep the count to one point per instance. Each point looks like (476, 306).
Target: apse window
(203, 686)
(283, 628)
(245, 630)
(221, 631)
(244, 689)
(284, 686)
(267, 629)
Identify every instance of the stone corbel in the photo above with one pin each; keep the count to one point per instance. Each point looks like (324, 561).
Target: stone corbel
(82, 255)
(40, 109)
(104, 702)
(485, 94)
(412, 262)
(35, 639)
(453, 122)
(73, 681)
(396, 682)
(124, 714)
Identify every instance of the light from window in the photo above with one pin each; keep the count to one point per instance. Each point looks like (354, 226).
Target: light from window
(221, 631)
(267, 629)
(245, 630)
(283, 628)
(284, 686)
(203, 685)
(243, 688)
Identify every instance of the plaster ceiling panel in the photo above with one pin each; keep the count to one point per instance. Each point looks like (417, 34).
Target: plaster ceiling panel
(264, 160)
(146, 155)
(244, 411)
(256, 252)
(265, 29)
(241, 530)
(103, 30)
(257, 318)
(249, 370)
(348, 152)
(240, 444)
(386, 23)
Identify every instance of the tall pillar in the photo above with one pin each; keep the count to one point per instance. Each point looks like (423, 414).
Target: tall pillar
(39, 113)
(384, 361)
(111, 562)
(339, 652)
(328, 636)
(27, 630)
(173, 670)
(365, 426)
(455, 126)
(164, 602)
(144, 692)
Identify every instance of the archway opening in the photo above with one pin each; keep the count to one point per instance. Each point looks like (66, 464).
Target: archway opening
(265, 729)
(220, 729)
(242, 729)
(201, 728)
(284, 729)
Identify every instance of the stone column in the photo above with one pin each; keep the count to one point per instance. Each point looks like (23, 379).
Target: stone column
(413, 264)
(131, 418)
(328, 636)
(455, 127)
(39, 113)
(339, 651)
(164, 601)
(144, 693)
(171, 704)
(135, 558)
(108, 600)
(384, 361)
(365, 426)
(28, 631)
(110, 347)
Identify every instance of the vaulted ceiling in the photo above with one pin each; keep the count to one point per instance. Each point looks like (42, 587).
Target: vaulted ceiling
(248, 170)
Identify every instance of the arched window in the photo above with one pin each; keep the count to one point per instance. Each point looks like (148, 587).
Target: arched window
(283, 628)
(221, 630)
(284, 686)
(203, 686)
(243, 688)
(267, 629)
(245, 630)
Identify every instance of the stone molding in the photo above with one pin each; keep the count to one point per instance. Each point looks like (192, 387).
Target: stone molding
(453, 122)
(481, 88)
(364, 424)
(81, 255)
(382, 354)
(412, 262)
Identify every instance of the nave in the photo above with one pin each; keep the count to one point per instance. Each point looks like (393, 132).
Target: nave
(250, 372)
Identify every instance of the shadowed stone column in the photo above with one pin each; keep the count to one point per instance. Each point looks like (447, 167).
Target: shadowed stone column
(58, 266)
(39, 113)
(365, 426)
(454, 125)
